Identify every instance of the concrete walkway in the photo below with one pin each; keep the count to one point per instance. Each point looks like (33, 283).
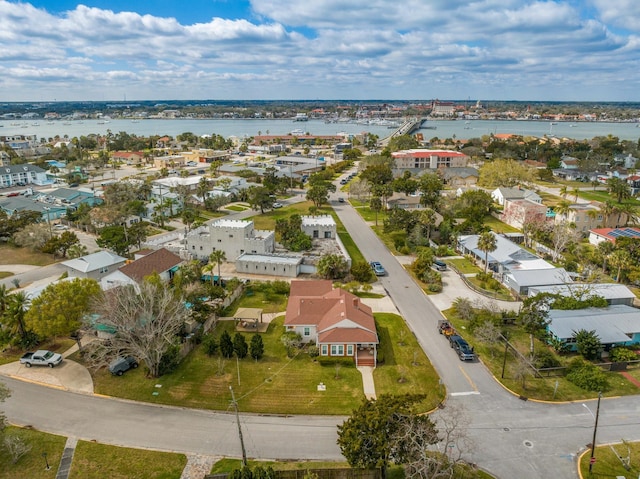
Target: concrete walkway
(367, 381)
(67, 458)
(198, 466)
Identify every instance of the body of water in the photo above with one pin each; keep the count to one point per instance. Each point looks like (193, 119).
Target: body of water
(241, 128)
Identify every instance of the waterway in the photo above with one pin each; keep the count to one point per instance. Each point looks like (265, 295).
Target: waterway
(243, 128)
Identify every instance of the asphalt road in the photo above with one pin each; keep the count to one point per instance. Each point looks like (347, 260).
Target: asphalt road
(511, 437)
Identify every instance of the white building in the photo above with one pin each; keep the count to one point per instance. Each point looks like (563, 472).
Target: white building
(234, 237)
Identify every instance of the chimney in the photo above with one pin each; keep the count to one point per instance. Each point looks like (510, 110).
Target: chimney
(355, 302)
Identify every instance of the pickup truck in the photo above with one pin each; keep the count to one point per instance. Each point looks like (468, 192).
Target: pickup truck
(41, 357)
(462, 348)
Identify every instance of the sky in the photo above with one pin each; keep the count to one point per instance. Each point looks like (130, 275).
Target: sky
(114, 50)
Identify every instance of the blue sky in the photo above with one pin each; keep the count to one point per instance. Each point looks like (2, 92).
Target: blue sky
(562, 50)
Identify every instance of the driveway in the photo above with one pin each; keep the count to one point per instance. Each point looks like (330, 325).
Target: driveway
(68, 375)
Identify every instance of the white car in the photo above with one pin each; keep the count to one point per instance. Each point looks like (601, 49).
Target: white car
(60, 227)
(277, 205)
(191, 163)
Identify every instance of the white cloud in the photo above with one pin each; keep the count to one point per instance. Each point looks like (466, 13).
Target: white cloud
(329, 49)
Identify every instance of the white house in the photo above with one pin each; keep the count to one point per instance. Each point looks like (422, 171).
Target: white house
(95, 265)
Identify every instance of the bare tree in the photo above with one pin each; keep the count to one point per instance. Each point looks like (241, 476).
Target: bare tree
(16, 447)
(146, 323)
(488, 333)
(433, 452)
(561, 236)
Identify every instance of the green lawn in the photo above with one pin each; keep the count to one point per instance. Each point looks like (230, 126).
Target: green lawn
(498, 226)
(608, 465)
(277, 384)
(5, 274)
(237, 207)
(14, 255)
(33, 463)
(98, 461)
(463, 265)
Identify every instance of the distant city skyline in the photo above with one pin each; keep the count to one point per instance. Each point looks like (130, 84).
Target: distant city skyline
(112, 50)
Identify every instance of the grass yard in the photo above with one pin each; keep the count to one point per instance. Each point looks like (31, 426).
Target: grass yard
(237, 207)
(534, 388)
(406, 368)
(608, 465)
(277, 384)
(463, 265)
(225, 466)
(5, 274)
(98, 461)
(498, 226)
(14, 255)
(33, 463)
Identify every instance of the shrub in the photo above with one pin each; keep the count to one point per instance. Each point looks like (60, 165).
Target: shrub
(210, 345)
(362, 272)
(170, 360)
(621, 354)
(313, 351)
(545, 359)
(405, 250)
(587, 376)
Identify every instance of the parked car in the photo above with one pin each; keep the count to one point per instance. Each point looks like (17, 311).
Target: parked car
(41, 357)
(277, 205)
(378, 269)
(440, 265)
(60, 227)
(14, 193)
(191, 163)
(121, 365)
(341, 200)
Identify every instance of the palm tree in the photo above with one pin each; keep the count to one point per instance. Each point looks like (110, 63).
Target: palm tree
(575, 192)
(619, 188)
(487, 242)
(620, 259)
(563, 191)
(607, 208)
(605, 248)
(203, 188)
(218, 257)
(562, 208)
(427, 218)
(17, 305)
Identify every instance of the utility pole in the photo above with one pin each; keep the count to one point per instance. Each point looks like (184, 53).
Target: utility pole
(235, 405)
(592, 460)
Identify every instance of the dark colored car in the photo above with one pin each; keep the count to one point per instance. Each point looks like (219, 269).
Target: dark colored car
(121, 365)
(340, 200)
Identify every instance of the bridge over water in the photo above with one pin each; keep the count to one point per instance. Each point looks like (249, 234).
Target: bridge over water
(409, 126)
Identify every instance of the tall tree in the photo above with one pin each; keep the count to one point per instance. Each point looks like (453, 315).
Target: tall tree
(240, 346)
(256, 347)
(619, 188)
(365, 438)
(217, 257)
(14, 314)
(488, 243)
(59, 309)
(146, 323)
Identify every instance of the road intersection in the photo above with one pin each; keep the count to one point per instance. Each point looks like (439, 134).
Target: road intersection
(513, 437)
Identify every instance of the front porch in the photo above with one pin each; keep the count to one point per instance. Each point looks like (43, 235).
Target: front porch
(365, 356)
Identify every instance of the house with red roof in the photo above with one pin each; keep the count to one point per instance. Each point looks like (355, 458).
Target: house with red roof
(128, 157)
(599, 235)
(333, 319)
(161, 261)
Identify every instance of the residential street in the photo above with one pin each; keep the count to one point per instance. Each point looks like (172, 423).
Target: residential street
(512, 437)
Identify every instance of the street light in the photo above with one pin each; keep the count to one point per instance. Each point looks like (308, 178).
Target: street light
(592, 459)
(46, 461)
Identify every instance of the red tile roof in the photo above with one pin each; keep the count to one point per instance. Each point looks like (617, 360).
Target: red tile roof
(339, 316)
(159, 261)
